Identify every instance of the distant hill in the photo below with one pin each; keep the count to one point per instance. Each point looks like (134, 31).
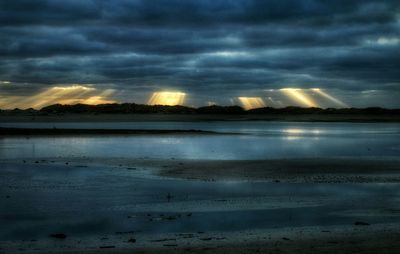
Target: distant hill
(133, 108)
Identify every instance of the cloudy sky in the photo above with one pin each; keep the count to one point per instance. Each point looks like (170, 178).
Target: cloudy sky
(273, 53)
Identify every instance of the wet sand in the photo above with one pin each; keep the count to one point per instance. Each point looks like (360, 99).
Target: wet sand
(43, 184)
(311, 170)
(318, 170)
(337, 239)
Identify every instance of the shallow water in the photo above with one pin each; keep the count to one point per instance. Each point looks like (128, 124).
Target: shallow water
(40, 199)
(257, 140)
(37, 200)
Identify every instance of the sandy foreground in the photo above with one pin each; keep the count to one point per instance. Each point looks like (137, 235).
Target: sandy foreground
(354, 237)
(289, 170)
(317, 170)
(383, 238)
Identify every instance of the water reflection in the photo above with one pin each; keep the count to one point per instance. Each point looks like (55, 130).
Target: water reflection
(260, 140)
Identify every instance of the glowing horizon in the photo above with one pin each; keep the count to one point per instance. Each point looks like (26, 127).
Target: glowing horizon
(252, 102)
(72, 94)
(167, 98)
(298, 95)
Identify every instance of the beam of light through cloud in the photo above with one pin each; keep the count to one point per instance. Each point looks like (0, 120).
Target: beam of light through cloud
(299, 96)
(229, 54)
(72, 94)
(273, 102)
(167, 98)
(383, 41)
(329, 97)
(251, 102)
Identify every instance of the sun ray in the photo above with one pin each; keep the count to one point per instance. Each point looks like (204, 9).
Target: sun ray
(329, 97)
(72, 94)
(251, 102)
(299, 96)
(167, 98)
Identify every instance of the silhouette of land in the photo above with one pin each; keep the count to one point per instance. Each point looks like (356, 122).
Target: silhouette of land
(56, 131)
(141, 112)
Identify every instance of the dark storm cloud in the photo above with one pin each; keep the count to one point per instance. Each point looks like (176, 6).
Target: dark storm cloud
(207, 47)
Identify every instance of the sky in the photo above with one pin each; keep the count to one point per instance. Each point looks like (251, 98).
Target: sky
(229, 52)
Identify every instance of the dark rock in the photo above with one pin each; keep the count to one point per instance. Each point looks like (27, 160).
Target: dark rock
(169, 197)
(361, 223)
(163, 240)
(132, 240)
(58, 236)
(107, 247)
(169, 218)
(124, 232)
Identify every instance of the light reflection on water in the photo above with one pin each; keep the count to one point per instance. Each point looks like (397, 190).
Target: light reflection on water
(247, 127)
(260, 140)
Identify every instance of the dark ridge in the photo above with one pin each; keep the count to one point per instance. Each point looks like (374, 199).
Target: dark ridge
(55, 131)
(133, 108)
(234, 110)
(117, 108)
(338, 111)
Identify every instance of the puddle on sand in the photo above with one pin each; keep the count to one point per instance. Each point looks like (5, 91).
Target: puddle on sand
(37, 200)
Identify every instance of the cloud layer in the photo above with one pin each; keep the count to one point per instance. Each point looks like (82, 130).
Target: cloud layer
(211, 50)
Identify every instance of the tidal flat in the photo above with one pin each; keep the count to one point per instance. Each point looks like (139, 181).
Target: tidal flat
(259, 186)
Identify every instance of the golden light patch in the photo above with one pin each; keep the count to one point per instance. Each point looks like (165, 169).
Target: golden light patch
(329, 97)
(251, 102)
(59, 94)
(167, 98)
(299, 96)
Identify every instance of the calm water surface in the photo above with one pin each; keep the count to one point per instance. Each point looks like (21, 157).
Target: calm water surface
(256, 140)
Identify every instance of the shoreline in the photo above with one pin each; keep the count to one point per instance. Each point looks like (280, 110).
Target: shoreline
(56, 131)
(311, 170)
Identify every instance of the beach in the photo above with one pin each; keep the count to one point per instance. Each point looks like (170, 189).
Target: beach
(223, 187)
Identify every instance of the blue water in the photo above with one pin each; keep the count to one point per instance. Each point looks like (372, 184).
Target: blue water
(256, 140)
